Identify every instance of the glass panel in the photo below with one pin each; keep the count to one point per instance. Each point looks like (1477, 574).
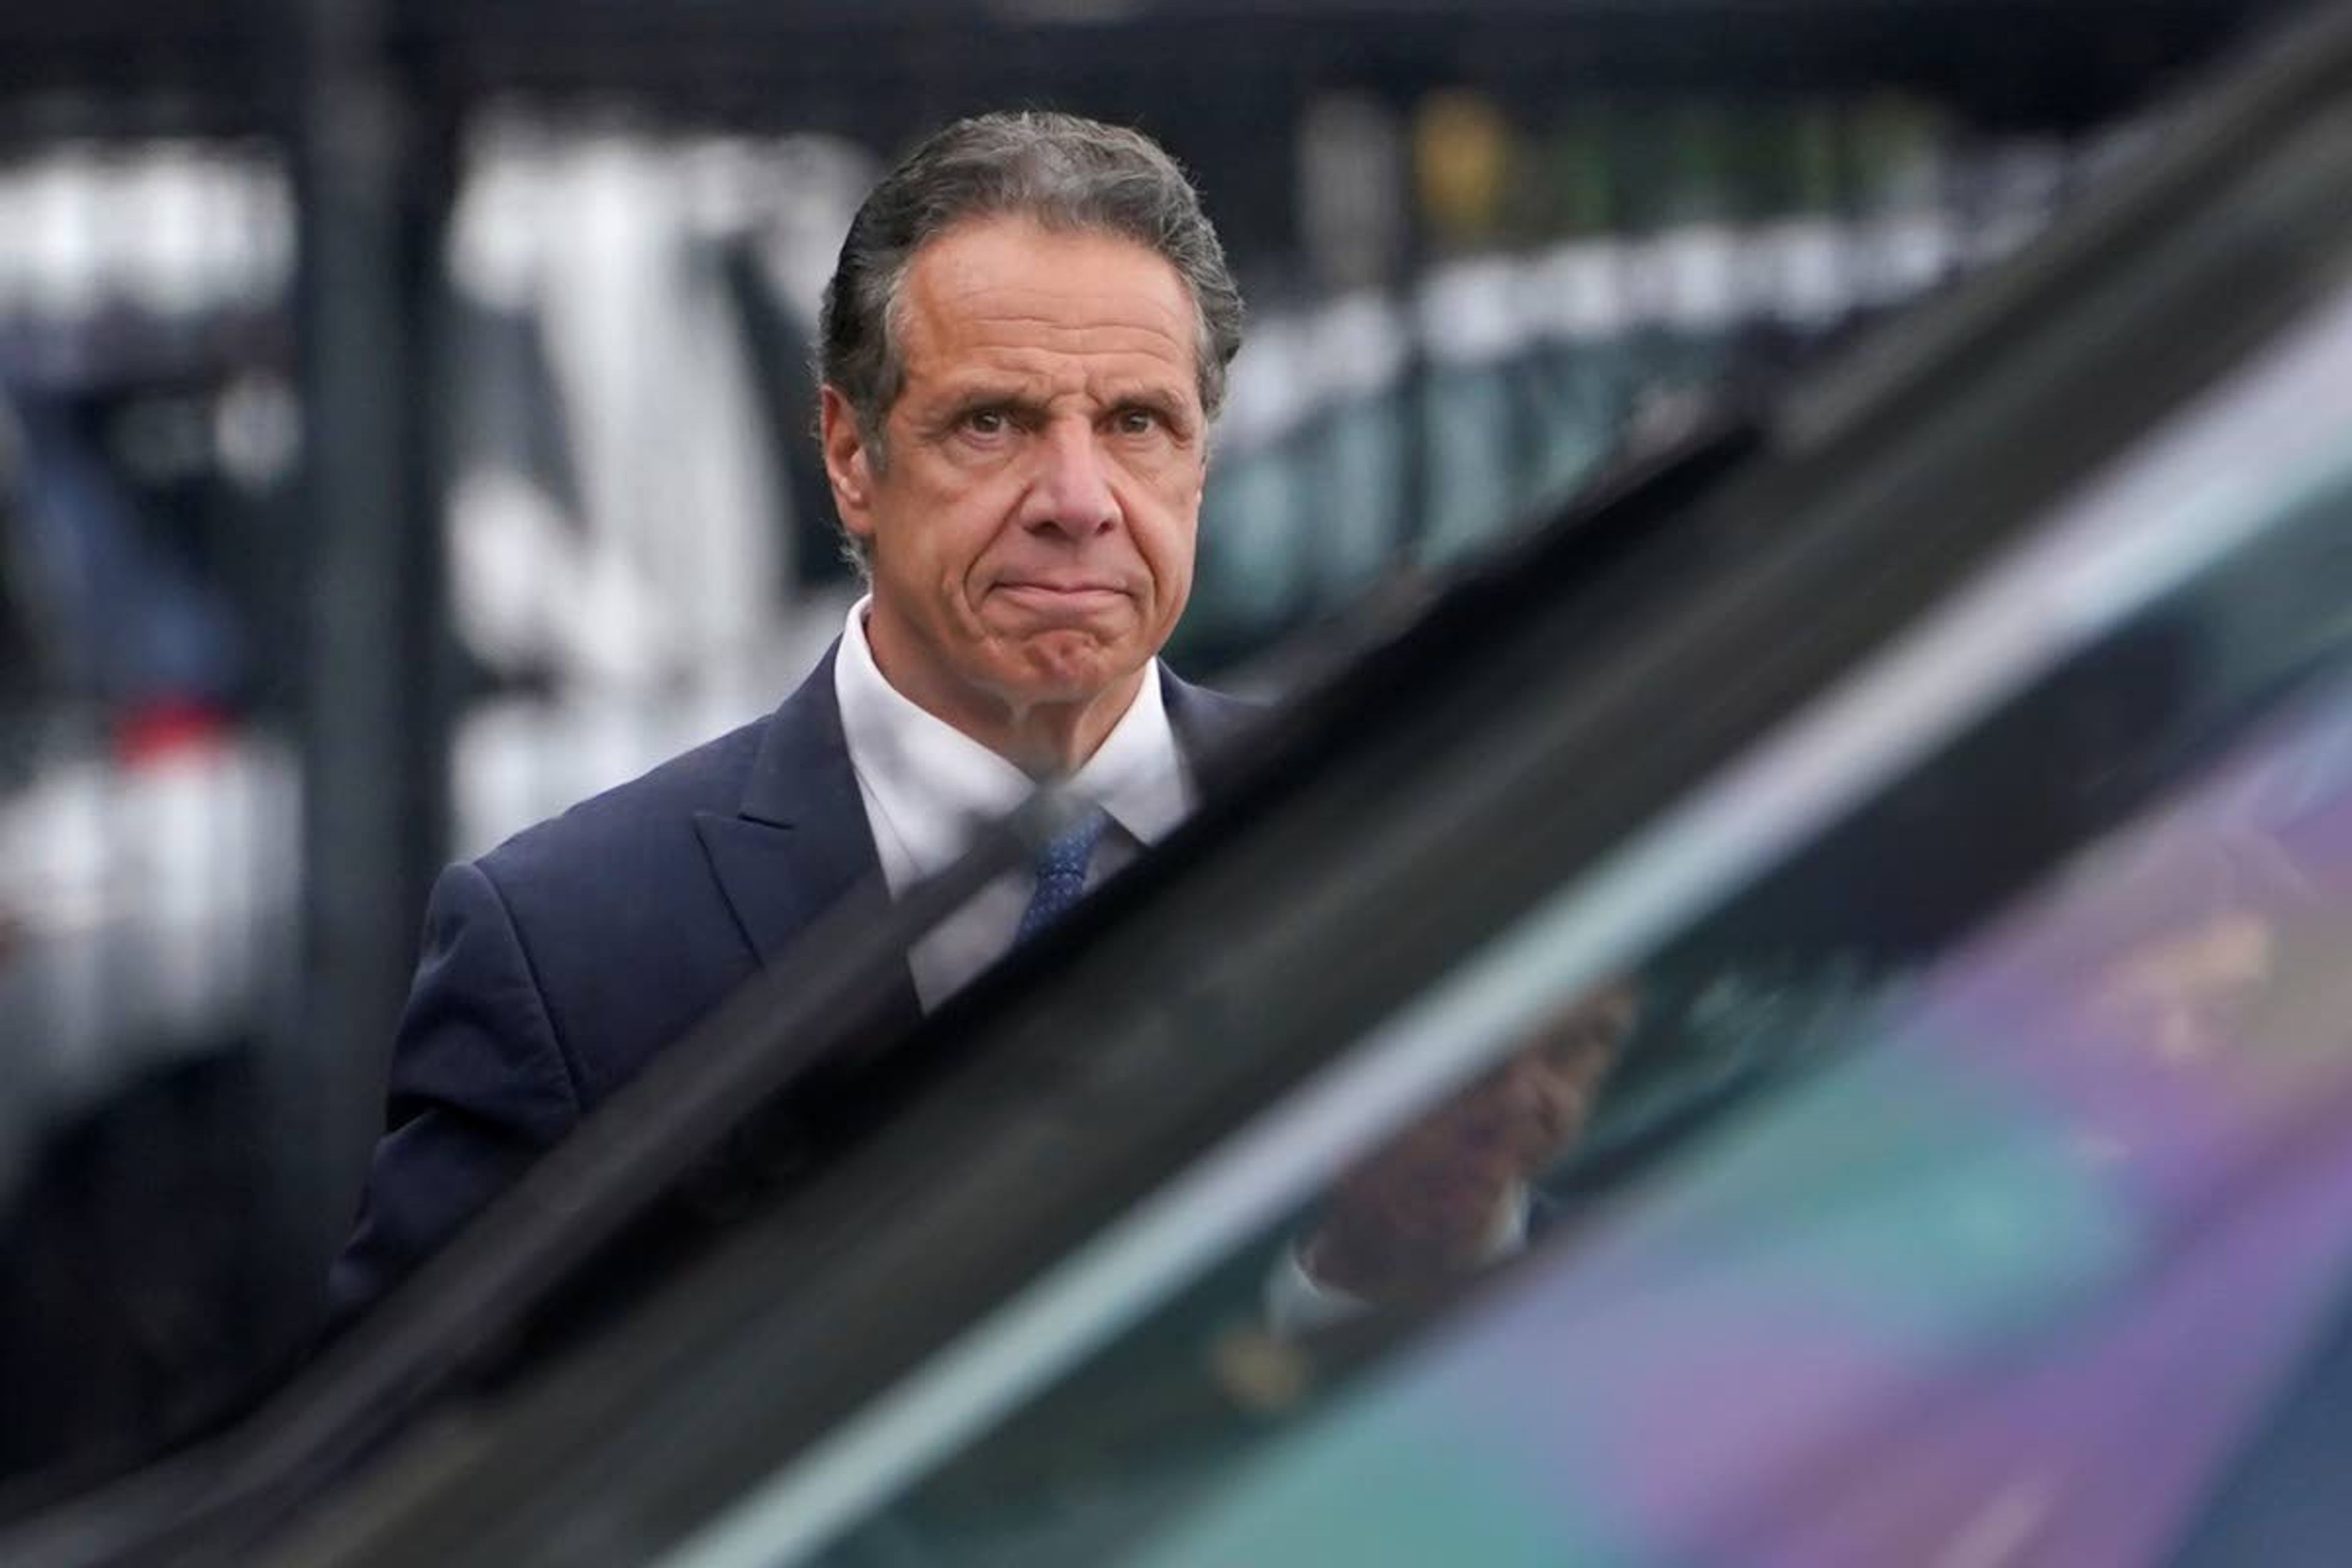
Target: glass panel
(1944, 1269)
(1963, 1088)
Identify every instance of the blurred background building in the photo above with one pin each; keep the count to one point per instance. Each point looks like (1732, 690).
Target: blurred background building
(405, 430)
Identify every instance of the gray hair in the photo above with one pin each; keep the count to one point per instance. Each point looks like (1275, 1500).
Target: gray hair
(1059, 170)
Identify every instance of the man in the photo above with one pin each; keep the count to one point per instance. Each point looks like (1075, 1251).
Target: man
(1024, 346)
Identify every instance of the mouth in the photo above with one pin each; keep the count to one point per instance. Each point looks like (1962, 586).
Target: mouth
(1063, 598)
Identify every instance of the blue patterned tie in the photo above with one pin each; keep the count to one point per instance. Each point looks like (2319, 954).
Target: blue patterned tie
(1061, 867)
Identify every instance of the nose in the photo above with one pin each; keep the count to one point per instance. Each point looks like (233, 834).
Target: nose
(1070, 491)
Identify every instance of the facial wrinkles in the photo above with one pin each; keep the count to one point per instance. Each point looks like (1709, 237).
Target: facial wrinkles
(1076, 354)
(1082, 370)
(965, 305)
(1063, 388)
(1087, 374)
(1069, 308)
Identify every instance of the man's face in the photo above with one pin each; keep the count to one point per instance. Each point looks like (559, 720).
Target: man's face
(1031, 524)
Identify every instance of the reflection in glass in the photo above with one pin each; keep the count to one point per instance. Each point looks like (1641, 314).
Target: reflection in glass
(1899, 1162)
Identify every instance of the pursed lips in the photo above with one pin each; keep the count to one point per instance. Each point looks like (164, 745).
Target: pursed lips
(1073, 591)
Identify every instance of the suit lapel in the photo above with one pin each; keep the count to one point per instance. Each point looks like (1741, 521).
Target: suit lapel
(1204, 722)
(800, 845)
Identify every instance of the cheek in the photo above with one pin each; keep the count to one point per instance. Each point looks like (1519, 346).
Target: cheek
(951, 532)
(1167, 541)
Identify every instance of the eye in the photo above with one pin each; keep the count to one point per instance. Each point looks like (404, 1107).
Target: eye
(1136, 422)
(986, 422)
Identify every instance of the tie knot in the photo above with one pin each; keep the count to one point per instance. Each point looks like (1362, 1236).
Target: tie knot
(1073, 847)
(1061, 870)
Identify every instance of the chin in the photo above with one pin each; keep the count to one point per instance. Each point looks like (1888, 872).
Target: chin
(1063, 667)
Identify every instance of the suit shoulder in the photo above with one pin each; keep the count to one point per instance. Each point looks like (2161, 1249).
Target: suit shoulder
(615, 917)
(598, 836)
(1205, 720)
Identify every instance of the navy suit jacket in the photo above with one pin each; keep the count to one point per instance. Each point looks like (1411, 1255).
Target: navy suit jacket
(558, 964)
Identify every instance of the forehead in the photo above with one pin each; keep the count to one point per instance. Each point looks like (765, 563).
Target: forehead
(1006, 295)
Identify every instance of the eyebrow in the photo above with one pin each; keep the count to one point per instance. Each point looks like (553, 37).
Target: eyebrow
(1006, 394)
(973, 398)
(1150, 391)
(1162, 397)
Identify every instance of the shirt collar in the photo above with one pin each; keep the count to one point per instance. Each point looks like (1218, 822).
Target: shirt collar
(933, 783)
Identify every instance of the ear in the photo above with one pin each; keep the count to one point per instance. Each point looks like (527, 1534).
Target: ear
(848, 466)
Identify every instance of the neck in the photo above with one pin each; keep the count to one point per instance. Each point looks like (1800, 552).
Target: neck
(1051, 740)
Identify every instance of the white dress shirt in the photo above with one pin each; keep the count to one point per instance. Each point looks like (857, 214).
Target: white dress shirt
(928, 787)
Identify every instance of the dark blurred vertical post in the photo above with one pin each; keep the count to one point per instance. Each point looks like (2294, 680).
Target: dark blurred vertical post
(374, 172)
